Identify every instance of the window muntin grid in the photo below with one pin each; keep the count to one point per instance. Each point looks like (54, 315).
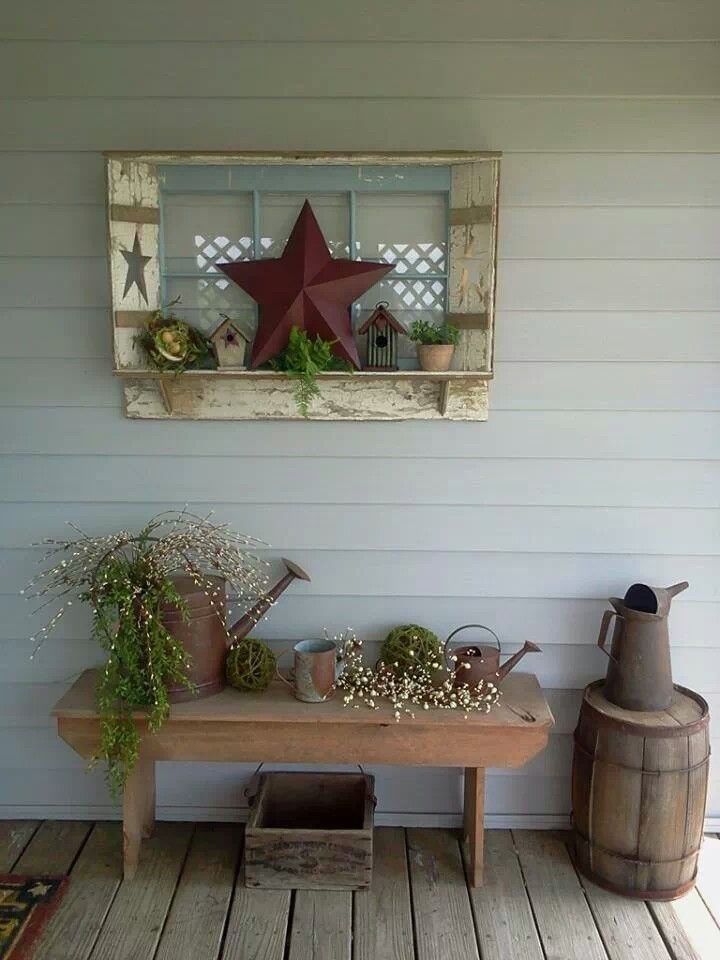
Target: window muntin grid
(215, 214)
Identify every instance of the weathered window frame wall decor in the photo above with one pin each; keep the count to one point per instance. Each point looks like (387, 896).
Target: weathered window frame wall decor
(134, 214)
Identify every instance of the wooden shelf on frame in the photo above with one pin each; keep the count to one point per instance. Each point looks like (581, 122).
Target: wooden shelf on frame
(149, 374)
(267, 395)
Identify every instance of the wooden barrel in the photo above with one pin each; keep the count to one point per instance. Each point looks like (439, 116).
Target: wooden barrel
(639, 788)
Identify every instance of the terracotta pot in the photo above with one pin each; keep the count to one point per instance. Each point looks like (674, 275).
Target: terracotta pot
(435, 357)
(202, 635)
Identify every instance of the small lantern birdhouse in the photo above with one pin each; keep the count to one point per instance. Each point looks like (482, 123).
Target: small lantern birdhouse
(381, 329)
(231, 343)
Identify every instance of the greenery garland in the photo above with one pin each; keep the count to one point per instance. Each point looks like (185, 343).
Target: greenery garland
(302, 360)
(127, 579)
(143, 657)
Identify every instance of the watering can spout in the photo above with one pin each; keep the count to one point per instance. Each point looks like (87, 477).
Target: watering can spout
(246, 623)
(527, 647)
(677, 588)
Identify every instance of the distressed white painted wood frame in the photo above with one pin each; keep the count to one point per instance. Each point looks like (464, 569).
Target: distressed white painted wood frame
(134, 235)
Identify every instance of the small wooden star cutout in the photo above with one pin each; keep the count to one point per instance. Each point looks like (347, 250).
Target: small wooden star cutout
(136, 269)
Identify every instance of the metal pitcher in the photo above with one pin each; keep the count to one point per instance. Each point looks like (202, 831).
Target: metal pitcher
(639, 674)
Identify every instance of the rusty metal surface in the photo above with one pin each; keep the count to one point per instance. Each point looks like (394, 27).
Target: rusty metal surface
(478, 661)
(639, 674)
(203, 636)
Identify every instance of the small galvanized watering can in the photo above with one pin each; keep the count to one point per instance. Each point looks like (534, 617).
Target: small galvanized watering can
(639, 675)
(483, 660)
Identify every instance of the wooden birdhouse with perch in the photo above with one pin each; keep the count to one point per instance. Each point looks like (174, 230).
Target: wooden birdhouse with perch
(231, 343)
(381, 329)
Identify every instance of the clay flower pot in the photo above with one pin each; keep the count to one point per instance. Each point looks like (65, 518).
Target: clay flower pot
(435, 357)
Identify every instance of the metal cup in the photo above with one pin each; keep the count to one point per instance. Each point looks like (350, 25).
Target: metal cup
(317, 666)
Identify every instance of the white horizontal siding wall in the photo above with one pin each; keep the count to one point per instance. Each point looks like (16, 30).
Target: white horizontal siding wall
(600, 463)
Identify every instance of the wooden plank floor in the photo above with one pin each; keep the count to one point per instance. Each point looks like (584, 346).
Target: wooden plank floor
(186, 902)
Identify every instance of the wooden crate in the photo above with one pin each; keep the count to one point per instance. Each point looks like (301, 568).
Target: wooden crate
(311, 831)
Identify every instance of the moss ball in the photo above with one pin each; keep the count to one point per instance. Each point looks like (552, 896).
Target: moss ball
(411, 645)
(250, 665)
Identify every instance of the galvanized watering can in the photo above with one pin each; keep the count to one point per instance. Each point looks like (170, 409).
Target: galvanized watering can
(202, 631)
(639, 674)
(483, 660)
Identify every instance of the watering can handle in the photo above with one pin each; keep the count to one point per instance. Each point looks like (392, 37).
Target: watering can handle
(604, 626)
(477, 626)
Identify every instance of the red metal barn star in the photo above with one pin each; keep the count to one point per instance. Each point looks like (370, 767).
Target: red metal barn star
(305, 288)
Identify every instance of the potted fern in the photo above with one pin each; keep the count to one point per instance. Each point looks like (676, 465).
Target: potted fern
(435, 344)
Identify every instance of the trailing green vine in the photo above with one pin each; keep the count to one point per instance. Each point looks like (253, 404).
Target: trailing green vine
(143, 657)
(302, 360)
(127, 580)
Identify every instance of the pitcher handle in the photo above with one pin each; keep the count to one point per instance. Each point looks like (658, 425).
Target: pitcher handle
(604, 626)
(466, 626)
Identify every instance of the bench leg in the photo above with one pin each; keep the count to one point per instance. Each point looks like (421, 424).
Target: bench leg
(473, 822)
(138, 812)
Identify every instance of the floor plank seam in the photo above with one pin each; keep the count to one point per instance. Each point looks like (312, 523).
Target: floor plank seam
(708, 907)
(665, 939)
(581, 884)
(237, 880)
(464, 865)
(288, 928)
(353, 914)
(595, 919)
(81, 848)
(529, 898)
(105, 915)
(27, 843)
(164, 924)
(411, 892)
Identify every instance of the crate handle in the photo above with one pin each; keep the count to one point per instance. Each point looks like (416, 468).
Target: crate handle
(250, 791)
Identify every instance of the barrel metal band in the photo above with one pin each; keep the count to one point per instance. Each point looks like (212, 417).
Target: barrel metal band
(630, 724)
(626, 766)
(620, 856)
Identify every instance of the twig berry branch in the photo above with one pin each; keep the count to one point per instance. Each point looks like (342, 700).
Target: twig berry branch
(127, 580)
(426, 685)
(171, 542)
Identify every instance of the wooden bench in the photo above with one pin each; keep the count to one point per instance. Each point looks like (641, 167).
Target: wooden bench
(275, 727)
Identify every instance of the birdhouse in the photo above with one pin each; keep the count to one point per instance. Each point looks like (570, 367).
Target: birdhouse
(230, 342)
(381, 329)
